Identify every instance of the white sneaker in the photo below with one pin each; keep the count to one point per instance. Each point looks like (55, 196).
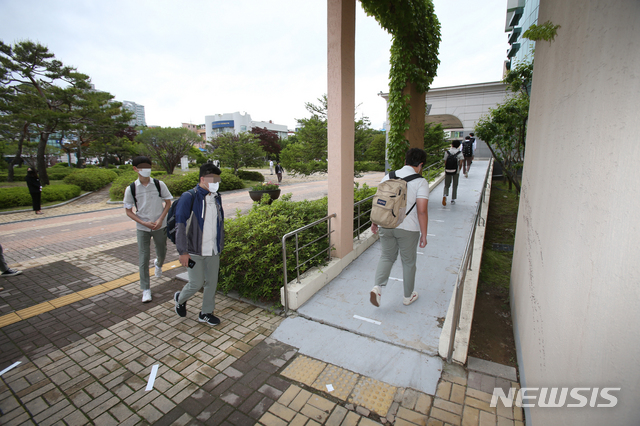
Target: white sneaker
(453, 201)
(158, 268)
(375, 296)
(410, 300)
(146, 296)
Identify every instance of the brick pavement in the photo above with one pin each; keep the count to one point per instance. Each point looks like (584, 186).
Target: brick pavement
(89, 362)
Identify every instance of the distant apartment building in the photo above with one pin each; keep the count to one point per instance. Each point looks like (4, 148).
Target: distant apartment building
(521, 14)
(239, 122)
(138, 110)
(200, 130)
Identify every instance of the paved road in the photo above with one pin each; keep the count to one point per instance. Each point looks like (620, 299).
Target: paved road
(87, 345)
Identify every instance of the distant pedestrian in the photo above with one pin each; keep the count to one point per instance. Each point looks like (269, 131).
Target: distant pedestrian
(407, 235)
(271, 166)
(147, 196)
(5, 271)
(279, 171)
(468, 150)
(453, 159)
(199, 241)
(35, 189)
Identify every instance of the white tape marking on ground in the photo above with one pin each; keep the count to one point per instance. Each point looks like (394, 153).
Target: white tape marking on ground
(11, 367)
(152, 377)
(436, 220)
(330, 387)
(431, 235)
(419, 252)
(396, 279)
(367, 319)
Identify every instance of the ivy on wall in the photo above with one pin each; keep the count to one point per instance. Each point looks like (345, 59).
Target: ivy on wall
(415, 32)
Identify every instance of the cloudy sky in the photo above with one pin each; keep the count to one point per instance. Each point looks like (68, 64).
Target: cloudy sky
(187, 59)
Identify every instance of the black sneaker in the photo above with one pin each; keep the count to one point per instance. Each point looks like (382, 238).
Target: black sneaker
(208, 318)
(180, 309)
(10, 273)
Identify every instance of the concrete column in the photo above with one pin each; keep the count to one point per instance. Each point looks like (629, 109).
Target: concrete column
(341, 26)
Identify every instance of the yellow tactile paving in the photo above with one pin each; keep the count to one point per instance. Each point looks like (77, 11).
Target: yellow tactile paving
(66, 300)
(304, 370)
(373, 395)
(340, 380)
(32, 311)
(9, 319)
(50, 305)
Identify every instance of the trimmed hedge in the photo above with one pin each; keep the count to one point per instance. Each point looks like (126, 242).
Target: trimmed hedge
(256, 239)
(19, 196)
(90, 179)
(249, 175)
(177, 184)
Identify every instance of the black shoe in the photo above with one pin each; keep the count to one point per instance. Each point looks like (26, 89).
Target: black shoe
(10, 273)
(208, 318)
(180, 309)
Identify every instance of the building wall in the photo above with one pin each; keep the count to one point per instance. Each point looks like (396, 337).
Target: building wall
(138, 110)
(575, 281)
(238, 122)
(467, 104)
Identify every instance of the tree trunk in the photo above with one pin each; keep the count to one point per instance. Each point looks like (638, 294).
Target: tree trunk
(42, 165)
(417, 103)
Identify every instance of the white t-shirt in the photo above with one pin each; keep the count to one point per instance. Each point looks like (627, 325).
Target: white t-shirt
(417, 188)
(210, 227)
(149, 202)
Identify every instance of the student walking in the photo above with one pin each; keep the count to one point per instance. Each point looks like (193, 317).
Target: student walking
(410, 233)
(279, 171)
(5, 271)
(147, 196)
(200, 243)
(468, 150)
(271, 166)
(453, 159)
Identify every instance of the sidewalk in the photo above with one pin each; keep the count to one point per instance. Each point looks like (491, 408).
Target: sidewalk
(89, 361)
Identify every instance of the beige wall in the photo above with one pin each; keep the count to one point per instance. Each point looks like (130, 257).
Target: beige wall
(576, 270)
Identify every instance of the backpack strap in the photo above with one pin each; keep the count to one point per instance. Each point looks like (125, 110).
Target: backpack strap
(156, 182)
(392, 175)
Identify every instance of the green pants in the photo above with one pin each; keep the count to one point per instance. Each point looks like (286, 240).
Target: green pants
(392, 241)
(144, 249)
(447, 183)
(203, 274)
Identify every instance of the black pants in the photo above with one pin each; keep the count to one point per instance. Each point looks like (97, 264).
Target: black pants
(35, 198)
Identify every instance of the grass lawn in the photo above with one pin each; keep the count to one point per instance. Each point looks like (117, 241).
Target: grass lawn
(492, 329)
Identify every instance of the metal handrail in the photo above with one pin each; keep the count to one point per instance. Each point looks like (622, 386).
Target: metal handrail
(297, 251)
(466, 266)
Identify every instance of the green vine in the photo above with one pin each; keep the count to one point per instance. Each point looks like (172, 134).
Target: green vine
(415, 32)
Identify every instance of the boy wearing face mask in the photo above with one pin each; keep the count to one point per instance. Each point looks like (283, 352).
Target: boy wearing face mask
(150, 218)
(200, 240)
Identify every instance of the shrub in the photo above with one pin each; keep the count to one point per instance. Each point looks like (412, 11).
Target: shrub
(90, 180)
(59, 173)
(116, 192)
(14, 197)
(256, 239)
(19, 196)
(249, 175)
(60, 192)
(230, 181)
(177, 184)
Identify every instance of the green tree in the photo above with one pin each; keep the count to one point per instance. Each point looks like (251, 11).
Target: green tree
(376, 150)
(167, 145)
(434, 143)
(235, 151)
(51, 89)
(307, 152)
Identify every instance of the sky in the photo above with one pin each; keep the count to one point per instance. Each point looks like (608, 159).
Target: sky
(184, 60)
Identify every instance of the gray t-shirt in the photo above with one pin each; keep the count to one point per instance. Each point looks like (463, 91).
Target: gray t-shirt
(149, 202)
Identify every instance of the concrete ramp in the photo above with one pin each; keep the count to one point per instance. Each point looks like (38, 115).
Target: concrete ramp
(394, 343)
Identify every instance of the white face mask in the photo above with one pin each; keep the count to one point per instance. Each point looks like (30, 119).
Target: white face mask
(213, 187)
(144, 172)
